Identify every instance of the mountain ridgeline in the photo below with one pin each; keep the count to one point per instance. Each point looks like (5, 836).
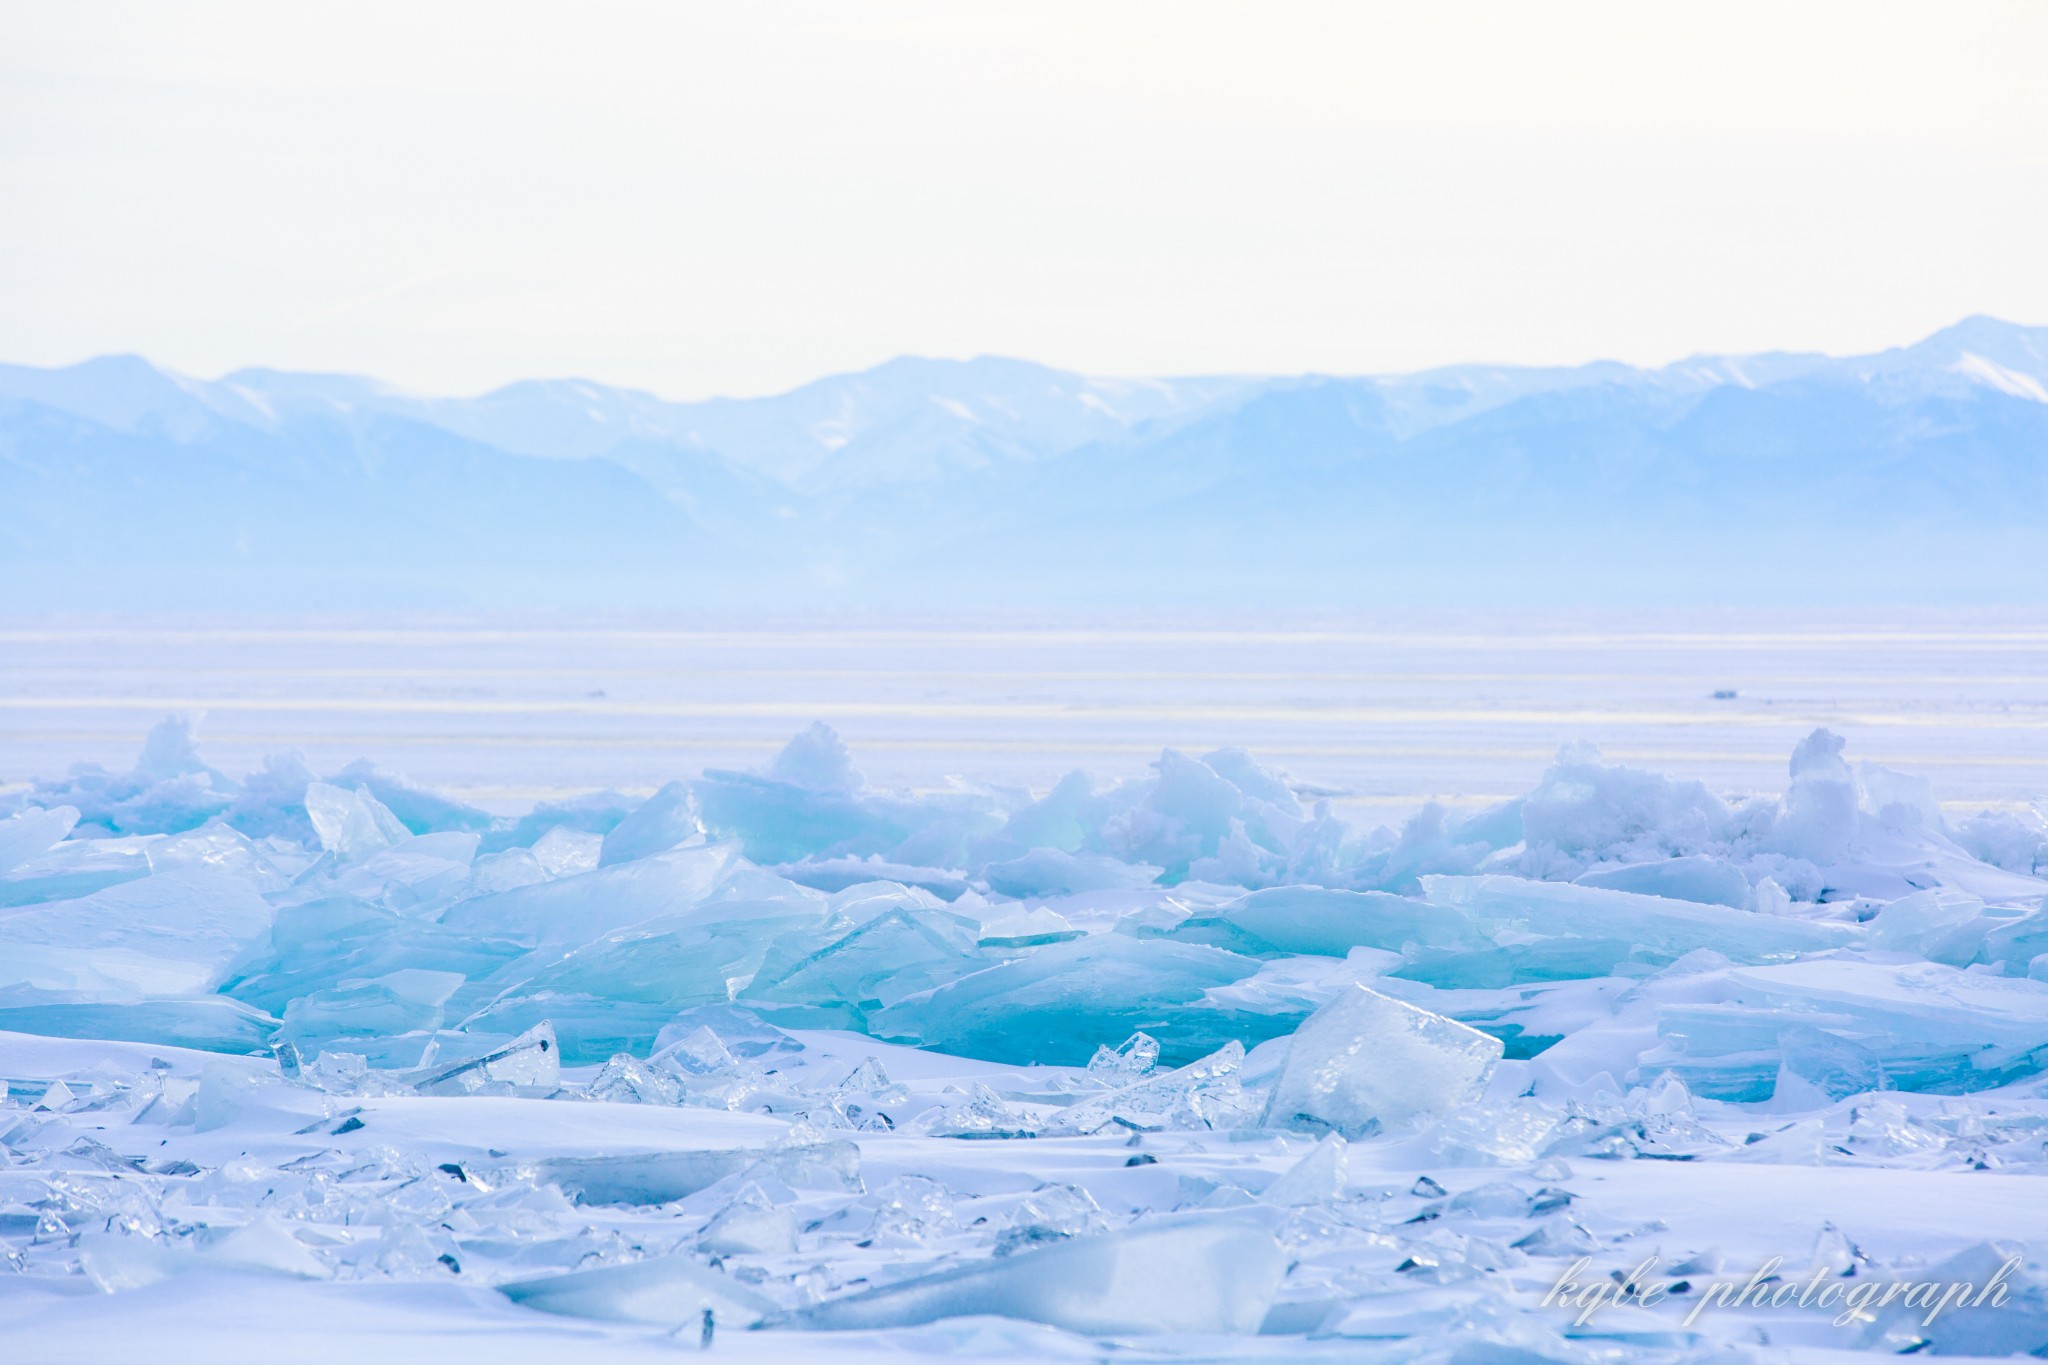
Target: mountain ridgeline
(1914, 475)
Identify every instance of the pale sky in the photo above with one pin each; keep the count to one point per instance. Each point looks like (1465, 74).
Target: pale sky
(701, 199)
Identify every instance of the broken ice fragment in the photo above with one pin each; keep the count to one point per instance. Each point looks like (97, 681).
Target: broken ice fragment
(1056, 1004)
(1206, 1093)
(209, 1023)
(866, 1079)
(1312, 919)
(531, 1059)
(1820, 1068)
(30, 832)
(978, 1112)
(1366, 1062)
(1318, 1178)
(564, 852)
(1051, 1213)
(750, 1225)
(699, 1053)
(1930, 1027)
(1130, 1060)
(1941, 926)
(1210, 1273)
(910, 1210)
(659, 823)
(624, 1080)
(670, 1291)
(1658, 927)
(351, 824)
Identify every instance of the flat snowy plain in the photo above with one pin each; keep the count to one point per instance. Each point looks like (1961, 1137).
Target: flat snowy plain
(1382, 715)
(1186, 1063)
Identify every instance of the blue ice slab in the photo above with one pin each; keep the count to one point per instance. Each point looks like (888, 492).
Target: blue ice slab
(1058, 1003)
(1659, 927)
(207, 1023)
(577, 909)
(1313, 919)
(1927, 1026)
(1695, 877)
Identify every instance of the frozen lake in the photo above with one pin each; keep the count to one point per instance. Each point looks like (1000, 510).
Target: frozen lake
(1383, 715)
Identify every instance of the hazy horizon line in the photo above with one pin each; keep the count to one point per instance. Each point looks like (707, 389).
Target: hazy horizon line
(408, 391)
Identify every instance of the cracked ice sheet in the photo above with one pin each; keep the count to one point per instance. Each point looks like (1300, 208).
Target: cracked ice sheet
(786, 1170)
(1730, 1204)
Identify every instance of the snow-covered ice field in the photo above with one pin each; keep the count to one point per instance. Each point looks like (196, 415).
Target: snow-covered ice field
(1382, 715)
(642, 1014)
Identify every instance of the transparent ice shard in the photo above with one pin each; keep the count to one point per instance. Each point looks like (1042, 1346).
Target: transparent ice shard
(668, 1291)
(28, 833)
(891, 956)
(698, 1053)
(1051, 1213)
(626, 1080)
(1997, 1306)
(1317, 1178)
(1027, 929)
(171, 933)
(663, 820)
(1057, 1004)
(1131, 1060)
(975, 1112)
(1941, 926)
(74, 868)
(1512, 1133)
(1366, 1062)
(403, 1001)
(565, 852)
(868, 1078)
(581, 907)
(1208, 1273)
(1206, 1093)
(750, 1225)
(738, 1032)
(351, 824)
(1816, 1068)
(533, 1059)
(910, 1211)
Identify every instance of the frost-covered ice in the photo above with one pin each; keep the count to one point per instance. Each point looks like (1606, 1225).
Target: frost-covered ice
(777, 1063)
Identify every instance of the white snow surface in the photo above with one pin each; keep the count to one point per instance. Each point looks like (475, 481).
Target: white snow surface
(780, 1064)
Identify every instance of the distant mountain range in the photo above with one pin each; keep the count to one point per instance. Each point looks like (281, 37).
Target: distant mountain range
(1917, 474)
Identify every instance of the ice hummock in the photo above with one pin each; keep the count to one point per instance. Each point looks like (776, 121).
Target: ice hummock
(1179, 1061)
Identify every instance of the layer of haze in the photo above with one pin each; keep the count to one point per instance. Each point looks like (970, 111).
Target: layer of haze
(735, 199)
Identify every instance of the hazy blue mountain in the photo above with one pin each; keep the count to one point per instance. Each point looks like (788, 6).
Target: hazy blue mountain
(1920, 473)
